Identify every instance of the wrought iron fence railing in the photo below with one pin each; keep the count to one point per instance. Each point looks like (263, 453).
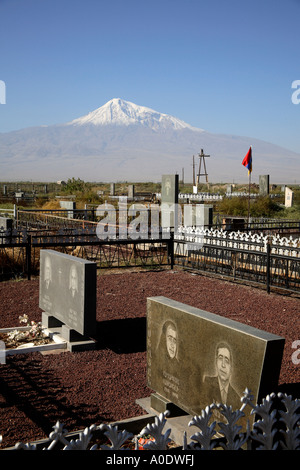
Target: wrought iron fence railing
(274, 263)
(20, 250)
(268, 269)
(276, 427)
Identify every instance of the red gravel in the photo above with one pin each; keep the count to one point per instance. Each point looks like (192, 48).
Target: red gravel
(80, 389)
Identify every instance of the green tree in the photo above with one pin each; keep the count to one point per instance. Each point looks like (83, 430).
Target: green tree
(75, 185)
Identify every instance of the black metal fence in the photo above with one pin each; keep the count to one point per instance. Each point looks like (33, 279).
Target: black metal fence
(20, 253)
(262, 267)
(20, 250)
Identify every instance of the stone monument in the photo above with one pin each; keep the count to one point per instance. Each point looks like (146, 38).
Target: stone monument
(289, 196)
(67, 296)
(70, 205)
(169, 201)
(6, 223)
(6, 230)
(198, 215)
(191, 353)
(112, 189)
(131, 191)
(264, 185)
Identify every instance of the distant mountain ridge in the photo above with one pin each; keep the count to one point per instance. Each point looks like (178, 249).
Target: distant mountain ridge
(118, 112)
(121, 141)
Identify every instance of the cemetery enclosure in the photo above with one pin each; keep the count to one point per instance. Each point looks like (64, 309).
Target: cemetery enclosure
(19, 254)
(267, 253)
(101, 386)
(271, 261)
(268, 260)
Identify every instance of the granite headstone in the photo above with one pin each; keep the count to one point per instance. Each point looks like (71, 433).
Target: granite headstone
(191, 351)
(112, 189)
(6, 223)
(289, 197)
(131, 191)
(67, 294)
(70, 205)
(264, 185)
(169, 201)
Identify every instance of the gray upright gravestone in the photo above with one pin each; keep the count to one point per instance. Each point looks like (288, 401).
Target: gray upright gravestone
(6, 224)
(196, 358)
(289, 195)
(169, 201)
(131, 191)
(70, 205)
(67, 297)
(264, 185)
(6, 230)
(112, 189)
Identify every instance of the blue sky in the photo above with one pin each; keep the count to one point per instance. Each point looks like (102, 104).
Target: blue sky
(224, 66)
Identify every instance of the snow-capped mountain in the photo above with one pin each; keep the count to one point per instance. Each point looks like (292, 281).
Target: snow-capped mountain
(122, 141)
(118, 112)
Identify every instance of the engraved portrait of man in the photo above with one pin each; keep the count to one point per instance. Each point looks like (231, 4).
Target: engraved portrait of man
(218, 389)
(47, 284)
(47, 272)
(73, 281)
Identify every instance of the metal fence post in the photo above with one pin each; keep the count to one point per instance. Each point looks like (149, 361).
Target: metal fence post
(268, 266)
(171, 249)
(28, 257)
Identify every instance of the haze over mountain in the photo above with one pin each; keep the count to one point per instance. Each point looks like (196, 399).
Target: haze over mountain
(122, 141)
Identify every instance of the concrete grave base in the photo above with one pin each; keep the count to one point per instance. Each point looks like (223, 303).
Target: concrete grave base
(74, 340)
(178, 420)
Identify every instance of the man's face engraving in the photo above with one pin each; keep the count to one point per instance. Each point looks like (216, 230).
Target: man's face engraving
(224, 364)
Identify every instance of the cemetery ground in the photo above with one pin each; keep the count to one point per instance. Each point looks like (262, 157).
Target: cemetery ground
(101, 386)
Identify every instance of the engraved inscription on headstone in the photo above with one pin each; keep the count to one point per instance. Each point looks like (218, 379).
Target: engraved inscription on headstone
(195, 358)
(68, 290)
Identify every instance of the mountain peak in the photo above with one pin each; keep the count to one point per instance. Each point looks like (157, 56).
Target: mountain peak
(124, 113)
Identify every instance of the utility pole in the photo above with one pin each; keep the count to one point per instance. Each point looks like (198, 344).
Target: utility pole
(194, 178)
(202, 157)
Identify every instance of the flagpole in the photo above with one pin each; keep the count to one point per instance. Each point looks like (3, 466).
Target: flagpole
(247, 162)
(250, 171)
(249, 199)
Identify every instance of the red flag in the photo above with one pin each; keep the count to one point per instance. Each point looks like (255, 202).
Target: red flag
(247, 162)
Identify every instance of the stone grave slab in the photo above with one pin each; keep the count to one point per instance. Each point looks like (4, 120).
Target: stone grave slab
(192, 352)
(67, 296)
